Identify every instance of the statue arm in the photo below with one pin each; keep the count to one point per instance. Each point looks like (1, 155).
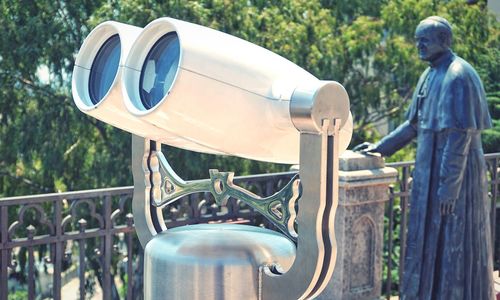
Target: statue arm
(452, 169)
(397, 139)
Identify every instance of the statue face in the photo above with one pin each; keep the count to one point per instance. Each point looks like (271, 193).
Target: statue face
(428, 42)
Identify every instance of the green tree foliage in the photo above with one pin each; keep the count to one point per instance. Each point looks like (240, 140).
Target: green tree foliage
(491, 137)
(46, 144)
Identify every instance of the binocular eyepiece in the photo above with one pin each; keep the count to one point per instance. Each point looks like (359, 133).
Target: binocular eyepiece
(199, 89)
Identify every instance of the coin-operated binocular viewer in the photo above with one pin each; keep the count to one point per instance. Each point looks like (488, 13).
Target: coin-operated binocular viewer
(195, 88)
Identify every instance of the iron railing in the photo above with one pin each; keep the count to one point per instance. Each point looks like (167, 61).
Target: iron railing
(48, 240)
(52, 237)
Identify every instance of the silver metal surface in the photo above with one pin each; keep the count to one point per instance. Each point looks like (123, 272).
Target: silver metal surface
(316, 101)
(316, 248)
(148, 220)
(212, 261)
(315, 112)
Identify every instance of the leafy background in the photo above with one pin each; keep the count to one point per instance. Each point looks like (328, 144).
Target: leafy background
(47, 145)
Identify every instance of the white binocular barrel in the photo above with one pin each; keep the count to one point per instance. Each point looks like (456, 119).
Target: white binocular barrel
(97, 84)
(196, 88)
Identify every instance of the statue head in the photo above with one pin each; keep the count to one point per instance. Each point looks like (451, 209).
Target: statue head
(433, 38)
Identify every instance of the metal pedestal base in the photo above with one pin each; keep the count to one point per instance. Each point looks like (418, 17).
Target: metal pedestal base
(212, 261)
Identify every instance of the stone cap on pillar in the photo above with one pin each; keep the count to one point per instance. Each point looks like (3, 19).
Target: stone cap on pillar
(357, 169)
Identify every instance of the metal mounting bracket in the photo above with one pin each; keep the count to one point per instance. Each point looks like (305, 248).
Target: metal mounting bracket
(162, 186)
(316, 248)
(318, 118)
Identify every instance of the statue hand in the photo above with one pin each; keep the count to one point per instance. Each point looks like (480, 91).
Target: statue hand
(365, 147)
(447, 207)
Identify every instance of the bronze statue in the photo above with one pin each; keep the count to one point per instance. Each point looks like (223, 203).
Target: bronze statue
(449, 248)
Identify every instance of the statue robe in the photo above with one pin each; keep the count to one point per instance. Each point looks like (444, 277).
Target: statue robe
(450, 256)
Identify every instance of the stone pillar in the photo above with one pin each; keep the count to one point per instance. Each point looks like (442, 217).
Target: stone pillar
(359, 227)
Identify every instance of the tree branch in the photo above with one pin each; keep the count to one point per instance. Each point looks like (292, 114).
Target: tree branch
(378, 116)
(27, 181)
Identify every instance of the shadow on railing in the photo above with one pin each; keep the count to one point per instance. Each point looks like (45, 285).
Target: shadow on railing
(87, 238)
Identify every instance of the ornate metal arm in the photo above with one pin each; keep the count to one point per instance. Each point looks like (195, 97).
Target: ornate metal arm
(278, 208)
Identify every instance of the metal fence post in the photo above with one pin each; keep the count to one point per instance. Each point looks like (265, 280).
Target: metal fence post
(4, 263)
(108, 249)
(58, 249)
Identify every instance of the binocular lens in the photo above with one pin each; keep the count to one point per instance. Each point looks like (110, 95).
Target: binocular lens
(104, 68)
(159, 70)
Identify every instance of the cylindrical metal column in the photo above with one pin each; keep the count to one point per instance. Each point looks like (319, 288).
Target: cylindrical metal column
(212, 261)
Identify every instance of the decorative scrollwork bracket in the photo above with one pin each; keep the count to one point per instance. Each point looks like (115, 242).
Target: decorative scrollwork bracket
(279, 208)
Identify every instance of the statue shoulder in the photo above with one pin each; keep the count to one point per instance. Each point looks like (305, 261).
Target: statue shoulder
(462, 101)
(460, 70)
